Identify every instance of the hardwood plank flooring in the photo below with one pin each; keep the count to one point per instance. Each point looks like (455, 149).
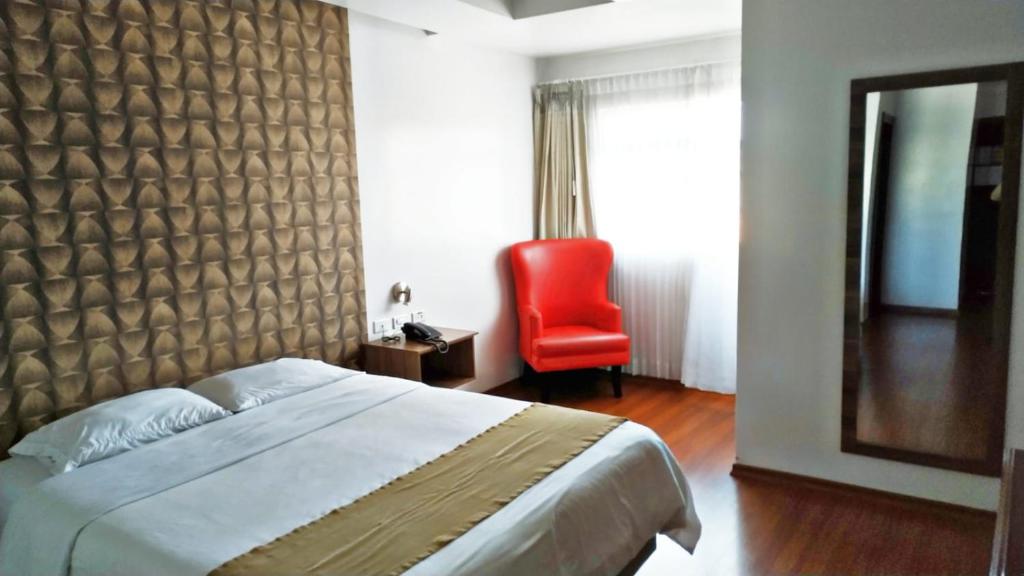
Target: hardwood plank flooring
(929, 383)
(761, 527)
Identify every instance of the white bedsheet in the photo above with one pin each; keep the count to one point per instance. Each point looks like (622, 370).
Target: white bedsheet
(18, 474)
(589, 517)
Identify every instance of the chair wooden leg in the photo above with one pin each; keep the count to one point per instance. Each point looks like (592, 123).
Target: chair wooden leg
(617, 381)
(545, 391)
(529, 374)
(533, 378)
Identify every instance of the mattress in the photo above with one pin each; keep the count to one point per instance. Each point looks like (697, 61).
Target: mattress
(187, 504)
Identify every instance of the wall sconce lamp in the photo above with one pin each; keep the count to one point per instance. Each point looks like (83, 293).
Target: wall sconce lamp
(402, 293)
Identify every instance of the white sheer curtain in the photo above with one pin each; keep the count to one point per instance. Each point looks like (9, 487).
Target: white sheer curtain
(664, 174)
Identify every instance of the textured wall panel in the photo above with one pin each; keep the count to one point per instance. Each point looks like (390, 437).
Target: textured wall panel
(178, 196)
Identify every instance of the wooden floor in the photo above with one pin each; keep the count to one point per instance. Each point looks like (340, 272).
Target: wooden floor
(929, 384)
(761, 527)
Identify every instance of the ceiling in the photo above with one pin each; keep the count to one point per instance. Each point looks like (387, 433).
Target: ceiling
(554, 27)
(531, 8)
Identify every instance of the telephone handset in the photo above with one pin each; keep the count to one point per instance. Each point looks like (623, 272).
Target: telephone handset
(422, 332)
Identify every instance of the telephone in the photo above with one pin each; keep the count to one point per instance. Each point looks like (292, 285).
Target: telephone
(422, 332)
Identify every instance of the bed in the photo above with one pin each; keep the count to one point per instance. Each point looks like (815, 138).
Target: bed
(187, 504)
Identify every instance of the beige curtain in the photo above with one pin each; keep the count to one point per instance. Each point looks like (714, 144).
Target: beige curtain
(562, 187)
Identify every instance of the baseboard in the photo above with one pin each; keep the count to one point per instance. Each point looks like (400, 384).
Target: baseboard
(744, 471)
(921, 310)
(513, 384)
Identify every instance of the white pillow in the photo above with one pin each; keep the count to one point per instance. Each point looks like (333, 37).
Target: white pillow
(253, 386)
(116, 426)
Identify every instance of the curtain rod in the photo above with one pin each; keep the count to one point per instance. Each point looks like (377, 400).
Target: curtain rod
(644, 71)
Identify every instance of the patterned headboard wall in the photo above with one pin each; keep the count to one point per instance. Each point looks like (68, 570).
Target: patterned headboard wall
(178, 196)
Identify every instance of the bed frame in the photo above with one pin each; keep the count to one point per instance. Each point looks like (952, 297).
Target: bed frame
(645, 552)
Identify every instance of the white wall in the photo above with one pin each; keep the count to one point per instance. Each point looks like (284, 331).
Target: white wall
(798, 59)
(991, 99)
(724, 48)
(877, 104)
(872, 125)
(445, 148)
(928, 181)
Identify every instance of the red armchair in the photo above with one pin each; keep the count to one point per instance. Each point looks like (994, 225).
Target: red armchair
(566, 321)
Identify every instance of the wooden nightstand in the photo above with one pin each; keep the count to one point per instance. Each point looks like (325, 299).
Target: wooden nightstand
(422, 362)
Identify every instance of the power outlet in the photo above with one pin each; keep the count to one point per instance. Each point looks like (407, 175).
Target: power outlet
(396, 322)
(380, 326)
(418, 316)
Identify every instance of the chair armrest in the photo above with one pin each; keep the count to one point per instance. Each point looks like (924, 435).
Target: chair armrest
(531, 327)
(607, 316)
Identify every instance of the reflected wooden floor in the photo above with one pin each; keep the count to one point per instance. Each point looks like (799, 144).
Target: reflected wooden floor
(755, 527)
(927, 383)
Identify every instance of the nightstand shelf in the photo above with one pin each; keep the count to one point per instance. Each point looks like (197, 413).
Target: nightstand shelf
(422, 362)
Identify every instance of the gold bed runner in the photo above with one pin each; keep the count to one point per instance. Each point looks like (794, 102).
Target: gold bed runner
(403, 522)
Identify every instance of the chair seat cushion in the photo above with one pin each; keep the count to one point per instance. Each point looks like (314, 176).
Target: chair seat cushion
(579, 341)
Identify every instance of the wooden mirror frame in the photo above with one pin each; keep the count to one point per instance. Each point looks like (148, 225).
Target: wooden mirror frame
(1013, 75)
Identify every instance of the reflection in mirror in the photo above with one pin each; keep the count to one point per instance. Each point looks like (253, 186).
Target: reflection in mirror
(929, 334)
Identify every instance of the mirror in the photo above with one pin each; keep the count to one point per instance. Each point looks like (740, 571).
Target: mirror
(931, 234)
